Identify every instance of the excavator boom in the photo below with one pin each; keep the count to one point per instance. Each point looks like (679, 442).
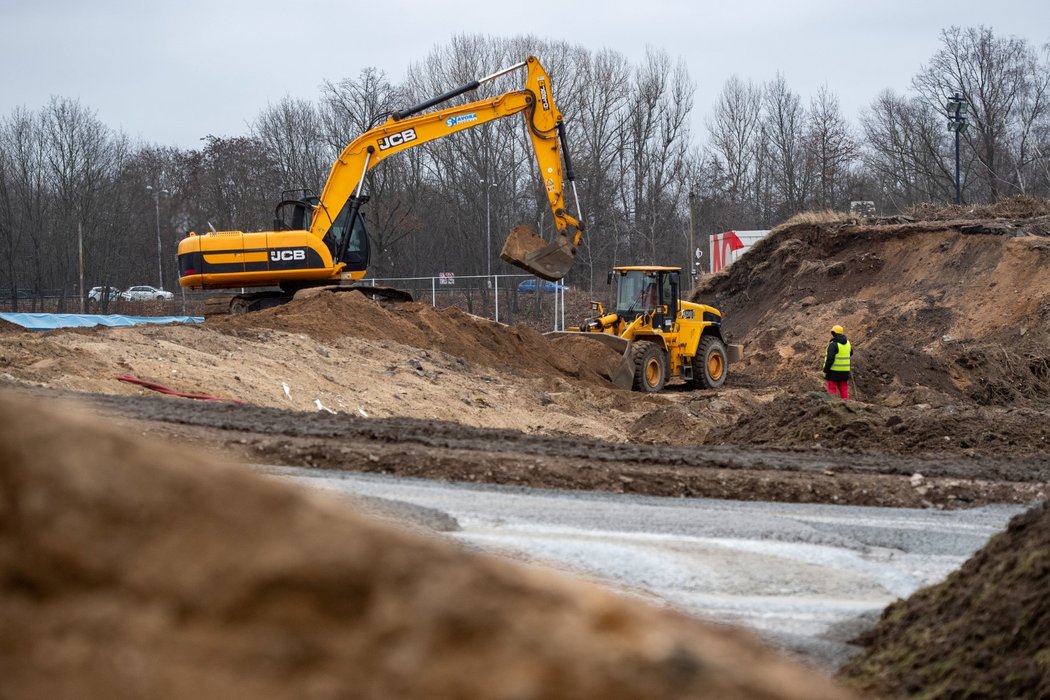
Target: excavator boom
(546, 130)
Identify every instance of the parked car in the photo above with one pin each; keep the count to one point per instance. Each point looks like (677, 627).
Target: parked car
(97, 293)
(546, 286)
(144, 292)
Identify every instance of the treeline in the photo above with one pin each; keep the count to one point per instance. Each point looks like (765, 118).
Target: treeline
(643, 177)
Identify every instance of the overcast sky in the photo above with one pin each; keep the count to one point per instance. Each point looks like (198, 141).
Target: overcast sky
(169, 73)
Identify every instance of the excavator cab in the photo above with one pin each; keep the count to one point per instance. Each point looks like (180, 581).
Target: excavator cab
(356, 251)
(294, 214)
(297, 215)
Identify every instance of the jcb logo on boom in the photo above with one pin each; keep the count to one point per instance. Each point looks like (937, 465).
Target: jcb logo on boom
(287, 255)
(544, 100)
(397, 139)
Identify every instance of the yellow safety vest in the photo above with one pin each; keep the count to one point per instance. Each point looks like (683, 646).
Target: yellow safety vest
(841, 362)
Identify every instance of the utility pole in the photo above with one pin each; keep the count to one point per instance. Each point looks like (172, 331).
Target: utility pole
(957, 107)
(80, 255)
(692, 242)
(160, 255)
(488, 229)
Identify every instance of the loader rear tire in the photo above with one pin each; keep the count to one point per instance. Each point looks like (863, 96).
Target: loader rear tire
(711, 363)
(650, 367)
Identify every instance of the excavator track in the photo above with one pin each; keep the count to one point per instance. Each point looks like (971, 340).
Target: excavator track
(236, 304)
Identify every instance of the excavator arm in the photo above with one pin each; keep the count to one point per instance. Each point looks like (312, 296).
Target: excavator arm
(342, 194)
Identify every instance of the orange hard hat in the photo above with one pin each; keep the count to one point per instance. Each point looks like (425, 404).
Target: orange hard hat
(837, 329)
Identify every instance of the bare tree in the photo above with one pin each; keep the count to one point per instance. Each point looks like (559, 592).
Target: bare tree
(598, 127)
(83, 160)
(905, 150)
(734, 132)
(292, 133)
(1006, 87)
(352, 105)
(23, 200)
(784, 131)
(232, 184)
(832, 150)
(657, 143)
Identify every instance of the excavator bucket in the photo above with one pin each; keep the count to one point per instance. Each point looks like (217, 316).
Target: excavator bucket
(550, 260)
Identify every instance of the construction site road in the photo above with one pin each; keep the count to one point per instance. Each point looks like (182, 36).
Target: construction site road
(807, 578)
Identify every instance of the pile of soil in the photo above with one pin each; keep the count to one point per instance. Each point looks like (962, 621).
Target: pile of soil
(344, 353)
(949, 319)
(330, 316)
(983, 633)
(130, 570)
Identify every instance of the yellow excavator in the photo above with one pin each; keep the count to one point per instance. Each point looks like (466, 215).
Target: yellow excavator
(659, 334)
(320, 241)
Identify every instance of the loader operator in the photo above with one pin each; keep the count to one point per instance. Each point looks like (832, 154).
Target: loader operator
(836, 363)
(649, 296)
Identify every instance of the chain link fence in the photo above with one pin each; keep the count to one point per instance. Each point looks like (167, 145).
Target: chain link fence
(508, 299)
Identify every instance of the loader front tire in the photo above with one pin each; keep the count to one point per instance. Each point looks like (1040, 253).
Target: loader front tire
(650, 367)
(710, 364)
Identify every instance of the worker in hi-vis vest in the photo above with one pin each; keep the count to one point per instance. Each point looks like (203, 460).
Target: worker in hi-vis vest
(836, 363)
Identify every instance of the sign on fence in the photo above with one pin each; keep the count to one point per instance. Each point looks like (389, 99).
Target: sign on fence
(447, 277)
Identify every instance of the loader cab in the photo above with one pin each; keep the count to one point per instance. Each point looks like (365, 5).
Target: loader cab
(648, 290)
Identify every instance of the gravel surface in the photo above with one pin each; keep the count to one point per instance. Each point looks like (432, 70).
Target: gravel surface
(807, 578)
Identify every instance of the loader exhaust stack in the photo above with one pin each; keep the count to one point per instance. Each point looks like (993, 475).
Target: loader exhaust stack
(550, 260)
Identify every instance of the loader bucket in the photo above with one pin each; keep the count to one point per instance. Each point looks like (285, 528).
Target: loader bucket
(550, 260)
(621, 373)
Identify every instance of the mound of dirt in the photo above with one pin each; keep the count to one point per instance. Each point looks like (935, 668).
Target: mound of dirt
(1029, 213)
(953, 314)
(815, 419)
(344, 353)
(982, 633)
(331, 316)
(133, 569)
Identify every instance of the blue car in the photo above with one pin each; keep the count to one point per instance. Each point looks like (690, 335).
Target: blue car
(529, 286)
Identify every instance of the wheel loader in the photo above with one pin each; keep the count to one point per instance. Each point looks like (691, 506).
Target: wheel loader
(659, 335)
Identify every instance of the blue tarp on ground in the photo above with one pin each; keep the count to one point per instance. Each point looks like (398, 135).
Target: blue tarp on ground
(46, 322)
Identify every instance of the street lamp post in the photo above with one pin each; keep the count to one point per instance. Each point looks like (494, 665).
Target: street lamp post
(692, 240)
(488, 230)
(957, 107)
(160, 255)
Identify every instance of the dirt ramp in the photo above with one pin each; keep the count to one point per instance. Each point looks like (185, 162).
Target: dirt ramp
(982, 633)
(129, 569)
